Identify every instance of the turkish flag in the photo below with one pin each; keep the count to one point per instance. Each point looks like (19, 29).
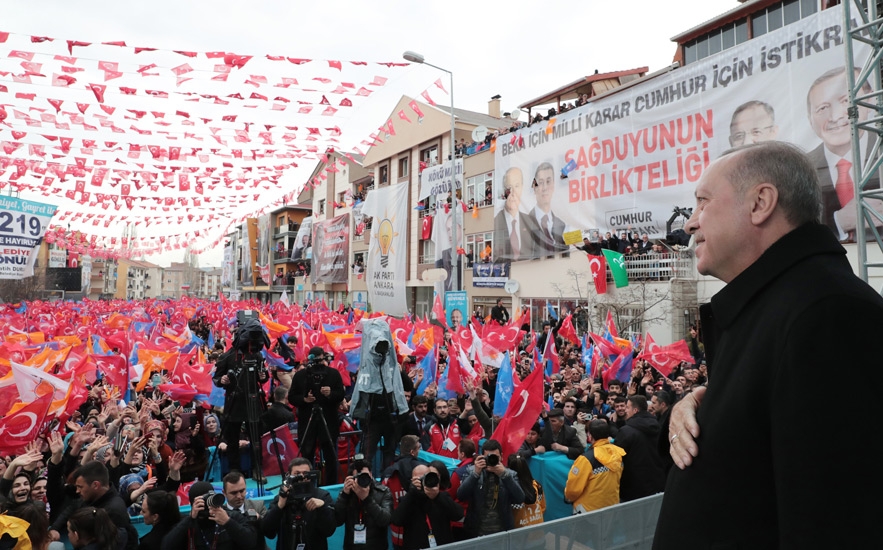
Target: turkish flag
(115, 369)
(598, 265)
(522, 413)
(665, 358)
(427, 228)
(283, 447)
(23, 426)
(567, 331)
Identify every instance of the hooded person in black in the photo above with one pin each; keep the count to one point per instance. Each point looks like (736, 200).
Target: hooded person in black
(643, 473)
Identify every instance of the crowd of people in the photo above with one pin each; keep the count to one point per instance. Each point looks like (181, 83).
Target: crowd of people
(115, 459)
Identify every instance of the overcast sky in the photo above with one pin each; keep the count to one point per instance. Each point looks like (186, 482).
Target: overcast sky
(518, 49)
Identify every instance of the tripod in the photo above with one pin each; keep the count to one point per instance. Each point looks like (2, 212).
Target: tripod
(308, 442)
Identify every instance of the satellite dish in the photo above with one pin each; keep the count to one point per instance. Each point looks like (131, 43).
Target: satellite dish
(479, 133)
(515, 114)
(435, 275)
(511, 286)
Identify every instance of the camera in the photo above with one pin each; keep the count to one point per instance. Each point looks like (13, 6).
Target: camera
(430, 480)
(213, 499)
(492, 460)
(297, 487)
(364, 480)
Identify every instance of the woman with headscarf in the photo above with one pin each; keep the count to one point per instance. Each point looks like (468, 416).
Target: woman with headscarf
(16, 481)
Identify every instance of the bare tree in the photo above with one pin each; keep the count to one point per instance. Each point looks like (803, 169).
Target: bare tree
(635, 307)
(29, 288)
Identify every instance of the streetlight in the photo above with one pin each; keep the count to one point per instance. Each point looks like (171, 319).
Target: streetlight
(415, 57)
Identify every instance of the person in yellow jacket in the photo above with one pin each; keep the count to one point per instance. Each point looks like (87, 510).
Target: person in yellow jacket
(593, 481)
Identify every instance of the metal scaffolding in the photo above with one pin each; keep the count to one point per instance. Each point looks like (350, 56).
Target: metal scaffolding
(863, 25)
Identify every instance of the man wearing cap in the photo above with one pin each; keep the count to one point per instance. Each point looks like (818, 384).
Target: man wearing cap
(558, 437)
(317, 391)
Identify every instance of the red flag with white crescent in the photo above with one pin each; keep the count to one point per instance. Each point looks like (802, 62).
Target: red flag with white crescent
(283, 447)
(24, 425)
(598, 265)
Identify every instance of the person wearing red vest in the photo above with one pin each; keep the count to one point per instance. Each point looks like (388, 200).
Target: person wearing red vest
(444, 435)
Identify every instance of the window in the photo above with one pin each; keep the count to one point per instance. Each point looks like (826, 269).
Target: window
(427, 252)
(714, 42)
(480, 189)
(791, 11)
(758, 24)
(430, 155)
(480, 246)
(774, 17)
(322, 206)
(384, 174)
(728, 36)
(403, 167)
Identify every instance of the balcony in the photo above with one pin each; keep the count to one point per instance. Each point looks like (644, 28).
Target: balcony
(285, 229)
(658, 267)
(281, 256)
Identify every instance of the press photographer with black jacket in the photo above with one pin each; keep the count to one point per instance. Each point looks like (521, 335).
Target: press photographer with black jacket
(302, 513)
(364, 507)
(241, 371)
(318, 388)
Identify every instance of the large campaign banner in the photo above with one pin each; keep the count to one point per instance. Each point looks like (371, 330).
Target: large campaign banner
(303, 240)
(331, 250)
(626, 161)
(440, 179)
(22, 225)
(227, 267)
(388, 252)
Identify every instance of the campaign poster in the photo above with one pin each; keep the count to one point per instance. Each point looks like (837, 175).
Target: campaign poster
(22, 225)
(490, 274)
(626, 161)
(331, 250)
(456, 308)
(386, 266)
(303, 240)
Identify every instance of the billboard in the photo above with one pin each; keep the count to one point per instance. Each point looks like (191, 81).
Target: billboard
(22, 225)
(624, 162)
(331, 250)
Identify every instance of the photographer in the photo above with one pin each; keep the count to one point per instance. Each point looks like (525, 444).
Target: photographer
(252, 510)
(365, 508)
(241, 371)
(209, 526)
(302, 513)
(490, 489)
(317, 391)
(426, 511)
(379, 394)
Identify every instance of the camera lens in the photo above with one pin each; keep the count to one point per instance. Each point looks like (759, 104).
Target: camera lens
(364, 479)
(492, 460)
(430, 480)
(215, 500)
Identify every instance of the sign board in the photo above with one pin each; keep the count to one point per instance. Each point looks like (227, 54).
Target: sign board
(22, 225)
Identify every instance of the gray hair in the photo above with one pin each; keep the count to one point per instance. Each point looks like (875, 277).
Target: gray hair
(788, 169)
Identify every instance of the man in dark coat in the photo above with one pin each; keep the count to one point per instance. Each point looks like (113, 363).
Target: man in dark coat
(241, 371)
(278, 413)
(642, 470)
(317, 391)
(749, 465)
(557, 436)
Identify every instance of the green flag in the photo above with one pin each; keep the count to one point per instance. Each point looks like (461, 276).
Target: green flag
(616, 261)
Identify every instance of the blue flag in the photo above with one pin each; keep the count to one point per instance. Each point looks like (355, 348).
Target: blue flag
(211, 339)
(588, 349)
(505, 386)
(429, 366)
(443, 392)
(551, 311)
